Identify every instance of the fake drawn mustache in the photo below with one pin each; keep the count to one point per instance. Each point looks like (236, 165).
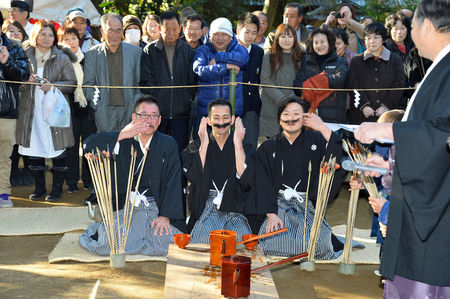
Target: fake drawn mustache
(220, 126)
(291, 122)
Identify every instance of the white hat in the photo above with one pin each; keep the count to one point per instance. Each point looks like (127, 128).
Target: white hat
(76, 14)
(221, 25)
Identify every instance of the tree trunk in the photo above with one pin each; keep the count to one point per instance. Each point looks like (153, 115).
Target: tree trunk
(271, 10)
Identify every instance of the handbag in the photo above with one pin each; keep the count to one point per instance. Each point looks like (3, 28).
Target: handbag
(8, 102)
(56, 109)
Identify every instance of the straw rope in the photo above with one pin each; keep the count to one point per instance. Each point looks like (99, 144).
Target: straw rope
(208, 85)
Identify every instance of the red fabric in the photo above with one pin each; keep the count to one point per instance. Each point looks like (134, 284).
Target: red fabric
(315, 97)
(34, 21)
(401, 48)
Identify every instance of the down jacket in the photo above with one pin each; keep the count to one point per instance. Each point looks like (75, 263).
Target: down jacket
(218, 73)
(333, 108)
(58, 69)
(15, 69)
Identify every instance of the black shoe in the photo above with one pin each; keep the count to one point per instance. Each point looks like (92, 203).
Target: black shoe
(27, 177)
(88, 185)
(53, 197)
(92, 199)
(37, 195)
(15, 178)
(72, 189)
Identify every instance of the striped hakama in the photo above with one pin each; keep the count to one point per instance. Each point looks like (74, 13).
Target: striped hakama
(213, 219)
(141, 238)
(290, 243)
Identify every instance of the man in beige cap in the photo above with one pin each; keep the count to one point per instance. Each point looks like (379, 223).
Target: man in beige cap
(77, 19)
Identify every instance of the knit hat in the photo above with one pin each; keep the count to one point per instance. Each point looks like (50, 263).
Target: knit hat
(20, 4)
(131, 20)
(221, 25)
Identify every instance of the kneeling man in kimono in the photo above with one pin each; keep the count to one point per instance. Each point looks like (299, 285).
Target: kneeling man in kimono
(158, 212)
(220, 173)
(281, 167)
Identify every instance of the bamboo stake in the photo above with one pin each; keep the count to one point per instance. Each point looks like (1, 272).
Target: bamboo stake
(135, 193)
(117, 204)
(306, 207)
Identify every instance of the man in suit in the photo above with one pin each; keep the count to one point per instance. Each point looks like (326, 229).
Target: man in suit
(416, 251)
(112, 63)
(293, 16)
(247, 30)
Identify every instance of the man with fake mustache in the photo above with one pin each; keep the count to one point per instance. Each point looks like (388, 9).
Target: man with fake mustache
(220, 173)
(281, 179)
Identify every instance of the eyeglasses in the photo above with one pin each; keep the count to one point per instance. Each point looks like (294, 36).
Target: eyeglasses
(147, 116)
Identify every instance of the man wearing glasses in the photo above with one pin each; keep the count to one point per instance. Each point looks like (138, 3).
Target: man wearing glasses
(20, 12)
(158, 212)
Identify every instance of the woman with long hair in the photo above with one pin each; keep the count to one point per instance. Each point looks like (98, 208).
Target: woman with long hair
(279, 67)
(34, 135)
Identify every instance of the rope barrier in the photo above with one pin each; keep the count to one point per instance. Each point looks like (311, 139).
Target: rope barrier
(208, 85)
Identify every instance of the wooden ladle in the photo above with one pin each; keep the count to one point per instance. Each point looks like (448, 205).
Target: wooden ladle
(263, 236)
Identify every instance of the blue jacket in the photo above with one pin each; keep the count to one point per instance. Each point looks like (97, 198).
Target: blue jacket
(218, 73)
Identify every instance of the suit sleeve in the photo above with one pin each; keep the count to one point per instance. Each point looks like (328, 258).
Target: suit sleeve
(89, 76)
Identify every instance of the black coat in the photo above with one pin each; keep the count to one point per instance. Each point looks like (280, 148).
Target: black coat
(173, 102)
(252, 99)
(333, 108)
(161, 175)
(16, 68)
(417, 245)
(365, 72)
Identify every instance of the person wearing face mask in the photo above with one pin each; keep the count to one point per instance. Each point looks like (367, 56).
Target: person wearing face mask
(281, 179)
(376, 68)
(220, 171)
(279, 67)
(323, 68)
(132, 31)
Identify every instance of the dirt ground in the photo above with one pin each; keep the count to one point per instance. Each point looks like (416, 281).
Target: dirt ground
(26, 273)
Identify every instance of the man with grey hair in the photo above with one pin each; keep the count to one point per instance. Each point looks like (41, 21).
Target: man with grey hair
(112, 63)
(416, 252)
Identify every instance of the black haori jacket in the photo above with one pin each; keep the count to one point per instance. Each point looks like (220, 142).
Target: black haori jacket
(417, 244)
